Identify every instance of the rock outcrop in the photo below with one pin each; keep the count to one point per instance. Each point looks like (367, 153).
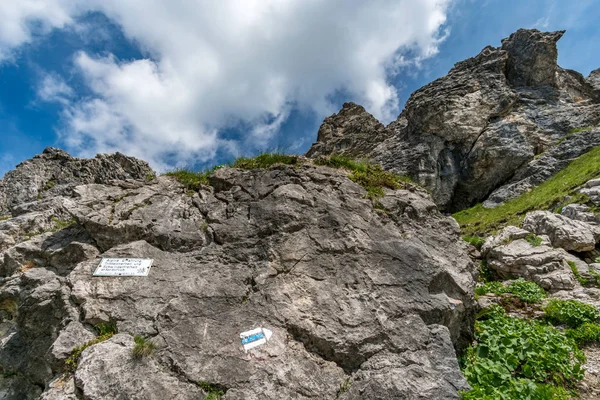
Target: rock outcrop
(498, 124)
(362, 302)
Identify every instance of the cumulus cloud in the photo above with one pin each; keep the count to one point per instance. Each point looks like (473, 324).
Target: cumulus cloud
(211, 65)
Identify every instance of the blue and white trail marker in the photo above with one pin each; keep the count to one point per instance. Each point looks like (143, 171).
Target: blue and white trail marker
(255, 337)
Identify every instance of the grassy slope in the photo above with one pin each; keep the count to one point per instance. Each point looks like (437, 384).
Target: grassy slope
(549, 195)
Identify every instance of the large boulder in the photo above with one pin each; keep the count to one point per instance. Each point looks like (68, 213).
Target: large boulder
(564, 232)
(363, 302)
(511, 256)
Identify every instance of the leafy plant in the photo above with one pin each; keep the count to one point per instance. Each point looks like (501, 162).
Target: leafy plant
(213, 392)
(105, 328)
(585, 333)
(570, 312)
(520, 359)
(475, 241)
(557, 191)
(526, 291)
(143, 347)
(533, 240)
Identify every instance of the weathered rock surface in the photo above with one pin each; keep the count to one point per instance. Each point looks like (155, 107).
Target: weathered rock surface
(363, 303)
(564, 232)
(496, 125)
(511, 256)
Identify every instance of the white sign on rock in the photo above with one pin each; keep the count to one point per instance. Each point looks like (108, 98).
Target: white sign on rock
(124, 267)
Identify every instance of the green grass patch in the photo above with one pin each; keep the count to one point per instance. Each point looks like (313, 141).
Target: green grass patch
(582, 281)
(556, 192)
(105, 331)
(190, 179)
(475, 241)
(513, 358)
(570, 312)
(61, 224)
(526, 291)
(265, 160)
(370, 176)
(150, 176)
(4, 218)
(143, 347)
(533, 240)
(580, 129)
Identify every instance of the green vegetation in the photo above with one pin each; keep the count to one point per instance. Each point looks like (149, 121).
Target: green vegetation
(556, 192)
(50, 184)
(486, 274)
(205, 226)
(61, 224)
(143, 347)
(4, 218)
(265, 160)
(582, 281)
(570, 312)
(105, 332)
(514, 358)
(370, 176)
(475, 241)
(580, 129)
(190, 179)
(150, 176)
(528, 292)
(213, 392)
(533, 240)
(586, 333)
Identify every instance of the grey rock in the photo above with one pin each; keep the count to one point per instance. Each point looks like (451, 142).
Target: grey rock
(374, 300)
(510, 255)
(569, 234)
(109, 371)
(580, 212)
(55, 172)
(497, 125)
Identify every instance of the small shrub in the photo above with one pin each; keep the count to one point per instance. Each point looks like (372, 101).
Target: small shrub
(61, 224)
(150, 176)
(475, 241)
(533, 240)
(586, 333)
(597, 260)
(580, 129)
(486, 274)
(570, 312)
(213, 392)
(50, 184)
(520, 359)
(526, 291)
(143, 347)
(490, 287)
(4, 218)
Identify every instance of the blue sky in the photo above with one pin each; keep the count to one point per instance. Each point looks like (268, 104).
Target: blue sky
(182, 85)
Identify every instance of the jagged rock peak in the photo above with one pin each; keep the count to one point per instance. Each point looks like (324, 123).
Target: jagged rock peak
(55, 172)
(352, 130)
(477, 131)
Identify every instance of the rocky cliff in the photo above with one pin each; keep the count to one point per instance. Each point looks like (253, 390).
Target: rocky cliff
(498, 124)
(363, 301)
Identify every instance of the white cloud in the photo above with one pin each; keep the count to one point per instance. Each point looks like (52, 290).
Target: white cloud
(21, 20)
(53, 88)
(216, 64)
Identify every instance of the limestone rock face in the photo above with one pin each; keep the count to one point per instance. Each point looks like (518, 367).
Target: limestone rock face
(563, 232)
(362, 302)
(510, 255)
(498, 124)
